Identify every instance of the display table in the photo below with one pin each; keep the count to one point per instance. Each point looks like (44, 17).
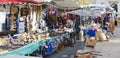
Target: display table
(30, 48)
(27, 49)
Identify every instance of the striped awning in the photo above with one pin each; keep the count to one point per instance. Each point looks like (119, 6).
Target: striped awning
(21, 1)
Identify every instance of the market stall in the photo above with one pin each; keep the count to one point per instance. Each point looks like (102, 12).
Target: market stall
(34, 35)
(49, 32)
(14, 10)
(15, 17)
(97, 23)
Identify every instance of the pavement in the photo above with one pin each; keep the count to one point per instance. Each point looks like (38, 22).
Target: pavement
(68, 51)
(108, 49)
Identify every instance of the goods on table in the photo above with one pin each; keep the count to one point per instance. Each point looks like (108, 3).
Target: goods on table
(3, 51)
(2, 42)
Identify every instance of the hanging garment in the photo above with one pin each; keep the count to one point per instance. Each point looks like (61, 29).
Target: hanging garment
(7, 23)
(14, 9)
(17, 23)
(25, 21)
(42, 23)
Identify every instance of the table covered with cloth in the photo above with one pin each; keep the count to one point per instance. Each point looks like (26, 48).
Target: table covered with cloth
(27, 49)
(30, 48)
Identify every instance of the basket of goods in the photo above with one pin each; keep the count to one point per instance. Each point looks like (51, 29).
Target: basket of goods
(17, 40)
(2, 42)
(3, 51)
(12, 23)
(14, 9)
(39, 37)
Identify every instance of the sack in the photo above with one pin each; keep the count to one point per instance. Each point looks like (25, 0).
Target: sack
(90, 42)
(102, 36)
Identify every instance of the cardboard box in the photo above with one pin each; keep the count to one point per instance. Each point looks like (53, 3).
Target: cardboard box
(90, 42)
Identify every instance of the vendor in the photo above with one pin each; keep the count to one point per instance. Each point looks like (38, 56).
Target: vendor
(60, 28)
(68, 28)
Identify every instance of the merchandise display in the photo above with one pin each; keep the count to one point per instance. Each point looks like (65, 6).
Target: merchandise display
(33, 30)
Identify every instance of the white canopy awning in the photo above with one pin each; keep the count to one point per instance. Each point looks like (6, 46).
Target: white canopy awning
(84, 12)
(97, 6)
(79, 12)
(67, 4)
(92, 10)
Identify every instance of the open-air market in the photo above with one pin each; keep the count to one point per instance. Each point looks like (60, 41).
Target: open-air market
(59, 28)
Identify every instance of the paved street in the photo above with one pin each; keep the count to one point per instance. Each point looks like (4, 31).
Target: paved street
(68, 51)
(110, 49)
